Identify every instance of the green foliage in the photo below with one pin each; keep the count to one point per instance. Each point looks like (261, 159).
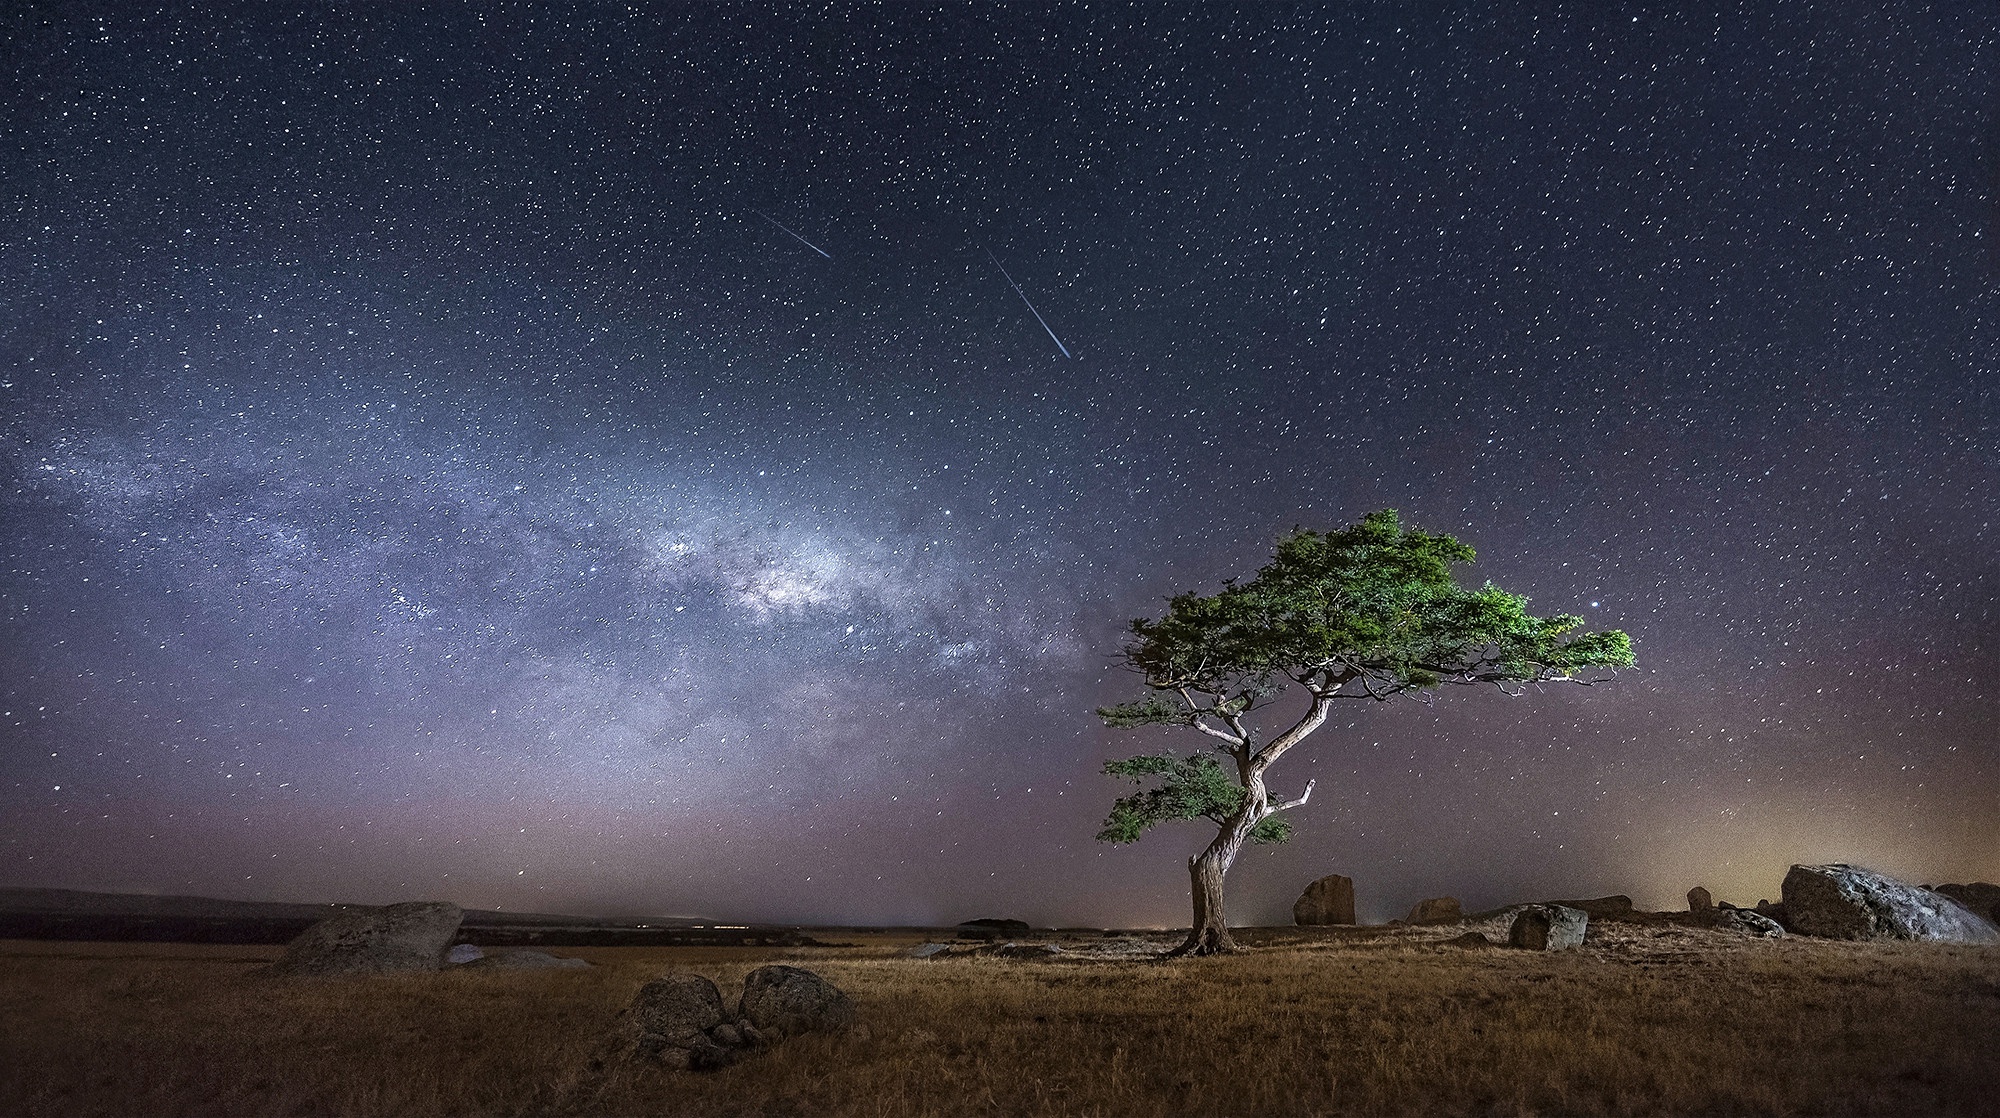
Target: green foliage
(1191, 789)
(1195, 787)
(1155, 709)
(1372, 610)
(1373, 604)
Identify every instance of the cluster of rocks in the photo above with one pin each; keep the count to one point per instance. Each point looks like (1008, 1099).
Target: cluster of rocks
(1836, 901)
(1840, 901)
(679, 1019)
(403, 938)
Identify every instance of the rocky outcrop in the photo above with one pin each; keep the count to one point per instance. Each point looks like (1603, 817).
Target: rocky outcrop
(1613, 907)
(1982, 897)
(1437, 910)
(1548, 927)
(397, 939)
(993, 928)
(1699, 902)
(1732, 919)
(1847, 902)
(1330, 900)
(527, 960)
(788, 1000)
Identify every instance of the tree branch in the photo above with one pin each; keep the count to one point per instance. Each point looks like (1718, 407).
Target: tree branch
(1290, 804)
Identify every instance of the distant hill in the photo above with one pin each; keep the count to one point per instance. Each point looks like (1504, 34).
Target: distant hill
(76, 902)
(75, 914)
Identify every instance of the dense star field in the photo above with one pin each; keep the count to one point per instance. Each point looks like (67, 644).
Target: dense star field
(579, 460)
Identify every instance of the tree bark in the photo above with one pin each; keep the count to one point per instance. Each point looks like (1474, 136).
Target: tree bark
(1210, 933)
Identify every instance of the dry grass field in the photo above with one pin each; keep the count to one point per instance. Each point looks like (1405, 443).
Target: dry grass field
(1644, 1019)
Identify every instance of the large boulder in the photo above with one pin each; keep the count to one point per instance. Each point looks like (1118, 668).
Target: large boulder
(1603, 908)
(1982, 897)
(679, 1022)
(788, 1000)
(1548, 927)
(1847, 902)
(1699, 902)
(399, 938)
(1437, 910)
(1330, 900)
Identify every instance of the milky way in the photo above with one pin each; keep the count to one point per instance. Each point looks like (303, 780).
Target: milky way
(589, 462)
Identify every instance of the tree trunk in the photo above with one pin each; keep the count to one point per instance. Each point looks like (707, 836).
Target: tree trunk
(1210, 934)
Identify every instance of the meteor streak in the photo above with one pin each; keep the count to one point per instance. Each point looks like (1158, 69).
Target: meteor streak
(794, 236)
(1024, 299)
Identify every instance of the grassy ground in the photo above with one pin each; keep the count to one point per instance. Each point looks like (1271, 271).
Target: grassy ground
(1642, 1020)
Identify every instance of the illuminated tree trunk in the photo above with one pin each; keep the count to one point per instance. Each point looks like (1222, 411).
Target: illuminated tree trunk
(1210, 934)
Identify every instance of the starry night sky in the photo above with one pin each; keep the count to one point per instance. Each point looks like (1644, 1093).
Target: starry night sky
(578, 460)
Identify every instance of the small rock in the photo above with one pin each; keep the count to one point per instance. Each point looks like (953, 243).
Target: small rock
(1748, 922)
(1699, 902)
(727, 1035)
(792, 1000)
(413, 936)
(1330, 900)
(928, 951)
(1847, 902)
(1548, 927)
(1470, 939)
(1437, 910)
(1982, 897)
(462, 953)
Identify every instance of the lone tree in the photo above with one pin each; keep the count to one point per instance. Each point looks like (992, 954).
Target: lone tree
(1369, 612)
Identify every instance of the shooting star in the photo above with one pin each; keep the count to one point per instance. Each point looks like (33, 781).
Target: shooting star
(795, 236)
(1024, 299)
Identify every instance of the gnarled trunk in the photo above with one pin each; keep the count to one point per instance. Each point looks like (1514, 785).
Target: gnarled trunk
(1210, 934)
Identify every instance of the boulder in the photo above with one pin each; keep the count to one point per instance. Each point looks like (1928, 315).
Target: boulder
(1601, 908)
(789, 1000)
(1981, 897)
(677, 1007)
(1472, 940)
(1699, 902)
(679, 1022)
(527, 960)
(399, 938)
(1330, 900)
(929, 951)
(1774, 912)
(462, 953)
(1437, 910)
(1548, 927)
(1732, 919)
(1847, 902)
